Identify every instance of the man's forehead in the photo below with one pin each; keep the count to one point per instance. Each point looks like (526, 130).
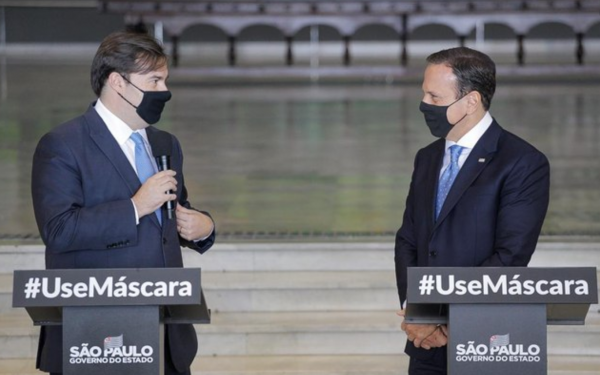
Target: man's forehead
(161, 72)
(438, 77)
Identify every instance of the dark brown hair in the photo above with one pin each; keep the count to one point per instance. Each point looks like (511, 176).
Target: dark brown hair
(125, 53)
(474, 71)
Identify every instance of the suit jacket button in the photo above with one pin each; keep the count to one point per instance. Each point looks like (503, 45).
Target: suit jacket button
(164, 241)
(433, 254)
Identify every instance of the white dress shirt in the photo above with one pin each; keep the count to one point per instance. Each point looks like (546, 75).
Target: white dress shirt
(122, 134)
(468, 142)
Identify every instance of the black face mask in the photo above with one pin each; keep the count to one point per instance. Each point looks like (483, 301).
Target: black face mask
(152, 104)
(436, 118)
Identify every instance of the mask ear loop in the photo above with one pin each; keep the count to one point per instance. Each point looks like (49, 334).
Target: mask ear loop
(131, 83)
(462, 118)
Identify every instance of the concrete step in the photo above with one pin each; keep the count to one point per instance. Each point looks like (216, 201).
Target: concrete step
(247, 257)
(274, 276)
(360, 256)
(565, 254)
(304, 333)
(308, 333)
(284, 291)
(320, 365)
(301, 291)
(266, 365)
(298, 308)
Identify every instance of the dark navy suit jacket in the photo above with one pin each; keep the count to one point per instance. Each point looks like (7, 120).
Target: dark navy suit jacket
(492, 216)
(82, 184)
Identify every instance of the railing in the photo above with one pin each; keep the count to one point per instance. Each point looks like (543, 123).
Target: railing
(343, 7)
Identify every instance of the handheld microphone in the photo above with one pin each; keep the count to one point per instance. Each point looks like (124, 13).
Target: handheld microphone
(162, 146)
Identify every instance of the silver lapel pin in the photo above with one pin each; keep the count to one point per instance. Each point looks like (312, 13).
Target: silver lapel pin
(482, 160)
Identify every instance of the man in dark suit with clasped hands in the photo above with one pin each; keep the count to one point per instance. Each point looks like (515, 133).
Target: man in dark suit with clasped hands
(98, 194)
(478, 195)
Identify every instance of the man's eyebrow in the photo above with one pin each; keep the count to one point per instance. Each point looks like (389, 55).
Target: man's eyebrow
(159, 76)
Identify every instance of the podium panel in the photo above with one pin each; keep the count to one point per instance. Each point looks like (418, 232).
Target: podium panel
(497, 339)
(106, 340)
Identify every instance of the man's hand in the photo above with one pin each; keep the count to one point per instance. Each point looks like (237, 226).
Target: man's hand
(437, 339)
(152, 194)
(424, 336)
(193, 225)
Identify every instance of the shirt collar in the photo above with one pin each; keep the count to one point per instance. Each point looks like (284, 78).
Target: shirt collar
(117, 127)
(470, 139)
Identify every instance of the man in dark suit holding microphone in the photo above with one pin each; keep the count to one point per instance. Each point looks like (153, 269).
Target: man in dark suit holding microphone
(98, 193)
(478, 196)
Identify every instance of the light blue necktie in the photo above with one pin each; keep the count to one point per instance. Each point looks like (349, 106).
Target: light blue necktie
(447, 178)
(143, 164)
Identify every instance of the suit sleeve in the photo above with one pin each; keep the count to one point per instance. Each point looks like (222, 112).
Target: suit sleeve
(64, 221)
(405, 252)
(523, 205)
(199, 246)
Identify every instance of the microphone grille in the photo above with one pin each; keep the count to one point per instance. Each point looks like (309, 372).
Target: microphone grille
(161, 143)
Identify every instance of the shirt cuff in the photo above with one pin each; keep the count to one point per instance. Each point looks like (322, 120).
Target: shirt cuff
(137, 216)
(204, 238)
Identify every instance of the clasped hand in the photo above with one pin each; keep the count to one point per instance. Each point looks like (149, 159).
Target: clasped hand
(424, 336)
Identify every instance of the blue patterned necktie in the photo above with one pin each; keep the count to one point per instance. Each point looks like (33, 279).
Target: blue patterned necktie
(447, 178)
(143, 164)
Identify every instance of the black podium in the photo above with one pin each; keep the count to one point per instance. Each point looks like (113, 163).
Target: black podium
(112, 319)
(497, 317)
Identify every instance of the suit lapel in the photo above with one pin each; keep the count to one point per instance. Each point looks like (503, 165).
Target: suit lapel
(478, 159)
(105, 141)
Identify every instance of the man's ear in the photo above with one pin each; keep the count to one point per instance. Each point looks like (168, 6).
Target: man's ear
(116, 82)
(473, 101)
